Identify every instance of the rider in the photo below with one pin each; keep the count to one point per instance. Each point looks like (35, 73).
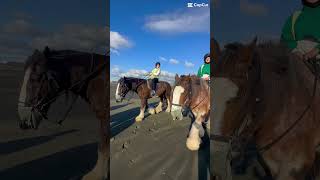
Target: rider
(204, 70)
(154, 76)
(301, 32)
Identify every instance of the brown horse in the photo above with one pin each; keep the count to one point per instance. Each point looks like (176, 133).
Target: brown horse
(265, 97)
(192, 93)
(49, 74)
(141, 87)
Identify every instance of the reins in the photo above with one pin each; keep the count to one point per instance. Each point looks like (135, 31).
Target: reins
(230, 139)
(81, 82)
(315, 82)
(198, 104)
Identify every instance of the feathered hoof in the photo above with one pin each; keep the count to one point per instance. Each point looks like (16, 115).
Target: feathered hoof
(139, 119)
(152, 111)
(193, 144)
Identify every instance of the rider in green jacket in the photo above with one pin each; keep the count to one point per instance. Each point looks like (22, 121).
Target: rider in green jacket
(301, 32)
(204, 70)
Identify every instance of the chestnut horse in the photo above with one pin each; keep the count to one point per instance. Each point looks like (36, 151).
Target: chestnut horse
(192, 93)
(266, 98)
(50, 74)
(141, 87)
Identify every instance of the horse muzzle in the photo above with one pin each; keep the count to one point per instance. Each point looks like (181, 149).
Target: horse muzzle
(185, 111)
(119, 98)
(29, 119)
(176, 112)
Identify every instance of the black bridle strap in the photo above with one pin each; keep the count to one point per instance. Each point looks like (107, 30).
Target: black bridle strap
(80, 82)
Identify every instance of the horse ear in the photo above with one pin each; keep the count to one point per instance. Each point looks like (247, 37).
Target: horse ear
(46, 51)
(176, 78)
(215, 50)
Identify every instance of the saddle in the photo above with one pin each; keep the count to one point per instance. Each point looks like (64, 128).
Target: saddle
(149, 84)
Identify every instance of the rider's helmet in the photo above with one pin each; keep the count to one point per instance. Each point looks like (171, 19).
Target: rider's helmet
(157, 63)
(205, 57)
(311, 4)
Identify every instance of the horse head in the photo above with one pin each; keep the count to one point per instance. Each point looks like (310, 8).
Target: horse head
(181, 96)
(235, 72)
(38, 85)
(123, 87)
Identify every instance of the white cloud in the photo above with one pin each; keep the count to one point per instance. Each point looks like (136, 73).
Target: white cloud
(114, 51)
(173, 61)
(118, 41)
(115, 70)
(189, 20)
(75, 36)
(20, 36)
(163, 59)
(188, 64)
(254, 9)
(117, 73)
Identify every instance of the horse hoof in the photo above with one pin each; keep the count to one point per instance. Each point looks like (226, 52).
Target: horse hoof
(192, 144)
(138, 119)
(152, 111)
(168, 110)
(158, 111)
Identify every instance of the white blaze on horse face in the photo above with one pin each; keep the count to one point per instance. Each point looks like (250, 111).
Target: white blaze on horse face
(23, 91)
(178, 90)
(175, 109)
(223, 90)
(117, 92)
(23, 111)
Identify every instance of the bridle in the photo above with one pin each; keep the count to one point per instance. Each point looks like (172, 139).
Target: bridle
(134, 87)
(235, 135)
(187, 101)
(54, 85)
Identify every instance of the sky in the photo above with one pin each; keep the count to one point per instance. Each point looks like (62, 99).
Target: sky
(241, 20)
(142, 32)
(26, 25)
(146, 31)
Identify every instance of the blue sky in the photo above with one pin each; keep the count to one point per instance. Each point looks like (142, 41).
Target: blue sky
(26, 25)
(242, 20)
(144, 32)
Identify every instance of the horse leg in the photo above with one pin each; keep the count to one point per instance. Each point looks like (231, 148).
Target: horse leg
(159, 107)
(195, 134)
(98, 100)
(168, 98)
(142, 109)
(151, 110)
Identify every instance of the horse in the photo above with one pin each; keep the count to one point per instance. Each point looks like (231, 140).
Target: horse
(265, 103)
(141, 87)
(192, 93)
(50, 74)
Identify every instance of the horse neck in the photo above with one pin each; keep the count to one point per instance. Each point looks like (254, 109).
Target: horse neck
(200, 93)
(135, 83)
(73, 68)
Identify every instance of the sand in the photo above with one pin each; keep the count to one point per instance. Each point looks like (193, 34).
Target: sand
(154, 148)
